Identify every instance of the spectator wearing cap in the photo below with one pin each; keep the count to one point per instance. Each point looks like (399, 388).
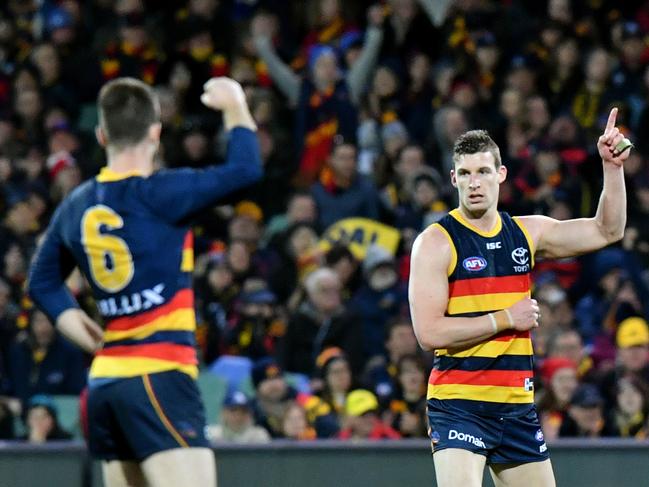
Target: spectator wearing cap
(333, 369)
(60, 26)
(257, 328)
(585, 418)
(341, 191)
(632, 341)
(323, 100)
(380, 297)
(629, 416)
(362, 419)
(246, 226)
(41, 420)
(273, 396)
(321, 321)
(327, 26)
(406, 410)
(44, 362)
(236, 424)
(559, 381)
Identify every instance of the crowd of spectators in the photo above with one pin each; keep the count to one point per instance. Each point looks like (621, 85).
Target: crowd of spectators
(358, 105)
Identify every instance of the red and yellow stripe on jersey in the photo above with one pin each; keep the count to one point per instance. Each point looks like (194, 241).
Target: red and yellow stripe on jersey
(489, 271)
(153, 341)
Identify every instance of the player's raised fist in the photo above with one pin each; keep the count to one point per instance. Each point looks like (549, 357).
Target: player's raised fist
(223, 93)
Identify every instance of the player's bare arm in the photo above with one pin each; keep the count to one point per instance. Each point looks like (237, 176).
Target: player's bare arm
(555, 239)
(428, 294)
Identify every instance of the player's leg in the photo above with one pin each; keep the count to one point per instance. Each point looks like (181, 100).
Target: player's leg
(181, 467)
(458, 468)
(535, 474)
(122, 474)
(106, 441)
(522, 457)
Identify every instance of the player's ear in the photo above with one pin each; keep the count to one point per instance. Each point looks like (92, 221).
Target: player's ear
(101, 136)
(502, 174)
(453, 178)
(154, 131)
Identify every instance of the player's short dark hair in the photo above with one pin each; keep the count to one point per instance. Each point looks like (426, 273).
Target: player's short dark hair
(475, 141)
(127, 108)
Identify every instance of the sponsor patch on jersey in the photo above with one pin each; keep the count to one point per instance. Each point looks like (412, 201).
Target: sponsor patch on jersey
(539, 435)
(520, 255)
(474, 264)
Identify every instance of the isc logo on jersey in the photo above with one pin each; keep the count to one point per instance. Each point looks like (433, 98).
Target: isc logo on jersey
(474, 264)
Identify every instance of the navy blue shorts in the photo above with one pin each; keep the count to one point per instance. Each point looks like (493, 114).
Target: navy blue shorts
(133, 418)
(500, 439)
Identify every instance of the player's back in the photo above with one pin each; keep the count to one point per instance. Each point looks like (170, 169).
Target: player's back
(138, 264)
(129, 235)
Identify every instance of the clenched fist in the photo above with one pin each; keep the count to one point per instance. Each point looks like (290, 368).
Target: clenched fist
(525, 314)
(222, 94)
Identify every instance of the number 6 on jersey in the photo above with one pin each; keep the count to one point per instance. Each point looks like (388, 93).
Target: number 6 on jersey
(109, 258)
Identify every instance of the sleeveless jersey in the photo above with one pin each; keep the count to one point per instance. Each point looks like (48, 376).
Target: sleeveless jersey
(489, 271)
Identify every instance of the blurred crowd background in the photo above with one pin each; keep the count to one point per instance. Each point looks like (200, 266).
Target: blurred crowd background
(301, 280)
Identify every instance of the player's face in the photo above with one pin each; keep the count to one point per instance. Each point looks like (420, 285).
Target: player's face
(477, 181)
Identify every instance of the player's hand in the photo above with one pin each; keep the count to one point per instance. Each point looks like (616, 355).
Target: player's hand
(80, 329)
(610, 144)
(223, 94)
(525, 314)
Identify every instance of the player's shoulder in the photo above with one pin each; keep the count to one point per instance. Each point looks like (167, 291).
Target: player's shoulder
(78, 197)
(433, 238)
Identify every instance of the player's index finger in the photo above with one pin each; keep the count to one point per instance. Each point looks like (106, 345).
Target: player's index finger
(611, 119)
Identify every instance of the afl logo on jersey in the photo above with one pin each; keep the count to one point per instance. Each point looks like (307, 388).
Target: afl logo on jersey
(474, 264)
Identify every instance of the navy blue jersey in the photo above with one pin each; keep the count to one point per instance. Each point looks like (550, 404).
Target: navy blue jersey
(489, 271)
(129, 236)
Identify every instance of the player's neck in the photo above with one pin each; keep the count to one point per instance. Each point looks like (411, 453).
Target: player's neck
(137, 158)
(483, 220)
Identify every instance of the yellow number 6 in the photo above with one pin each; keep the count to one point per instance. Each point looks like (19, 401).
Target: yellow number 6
(102, 249)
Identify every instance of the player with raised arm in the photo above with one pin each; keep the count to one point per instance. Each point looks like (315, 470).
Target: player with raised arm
(128, 232)
(470, 302)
